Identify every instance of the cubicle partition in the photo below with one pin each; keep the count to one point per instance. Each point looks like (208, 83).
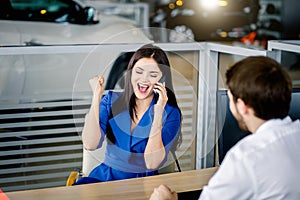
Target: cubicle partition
(44, 96)
(286, 53)
(214, 61)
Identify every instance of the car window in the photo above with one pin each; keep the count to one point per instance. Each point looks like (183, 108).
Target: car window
(43, 10)
(40, 5)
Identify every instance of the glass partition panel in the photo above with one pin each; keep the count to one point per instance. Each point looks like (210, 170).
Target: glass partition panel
(225, 61)
(45, 94)
(218, 58)
(291, 62)
(285, 52)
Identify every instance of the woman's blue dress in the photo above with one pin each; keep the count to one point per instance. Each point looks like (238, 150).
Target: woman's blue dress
(125, 158)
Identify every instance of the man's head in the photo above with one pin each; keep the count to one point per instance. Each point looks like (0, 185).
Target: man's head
(262, 84)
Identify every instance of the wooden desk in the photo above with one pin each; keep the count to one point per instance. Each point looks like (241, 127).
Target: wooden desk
(137, 188)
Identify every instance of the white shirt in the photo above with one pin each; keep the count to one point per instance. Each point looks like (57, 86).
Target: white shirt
(264, 165)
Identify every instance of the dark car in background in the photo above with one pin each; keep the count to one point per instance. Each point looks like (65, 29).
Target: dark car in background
(207, 20)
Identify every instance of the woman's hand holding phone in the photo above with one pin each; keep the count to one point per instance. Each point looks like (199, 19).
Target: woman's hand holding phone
(160, 89)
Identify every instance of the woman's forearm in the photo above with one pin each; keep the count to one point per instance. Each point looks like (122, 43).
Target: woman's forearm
(155, 151)
(91, 132)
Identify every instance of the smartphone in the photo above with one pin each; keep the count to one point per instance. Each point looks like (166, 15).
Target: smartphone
(162, 79)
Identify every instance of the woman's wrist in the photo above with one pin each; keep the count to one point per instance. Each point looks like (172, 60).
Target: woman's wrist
(157, 119)
(158, 109)
(158, 112)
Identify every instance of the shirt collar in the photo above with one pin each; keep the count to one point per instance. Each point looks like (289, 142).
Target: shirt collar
(273, 122)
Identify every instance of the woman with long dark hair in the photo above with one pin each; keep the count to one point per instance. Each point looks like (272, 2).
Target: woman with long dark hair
(141, 124)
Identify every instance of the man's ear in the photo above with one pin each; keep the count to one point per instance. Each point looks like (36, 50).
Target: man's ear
(242, 107)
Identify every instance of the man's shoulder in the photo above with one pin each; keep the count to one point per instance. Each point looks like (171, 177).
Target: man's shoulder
(244, 147)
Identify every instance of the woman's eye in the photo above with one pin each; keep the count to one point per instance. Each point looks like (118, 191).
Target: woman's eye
(138, 72)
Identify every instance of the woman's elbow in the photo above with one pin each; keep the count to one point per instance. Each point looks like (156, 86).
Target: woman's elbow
(152, 166)
(154, 161)
(91, 143)
(89, 148)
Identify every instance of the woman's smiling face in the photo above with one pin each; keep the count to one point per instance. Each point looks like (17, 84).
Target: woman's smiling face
(145, 73)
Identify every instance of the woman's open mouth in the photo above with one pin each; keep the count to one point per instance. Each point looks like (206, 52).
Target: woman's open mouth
(142, 87)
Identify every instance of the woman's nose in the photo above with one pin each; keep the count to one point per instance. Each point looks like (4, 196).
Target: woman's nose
(146, 77)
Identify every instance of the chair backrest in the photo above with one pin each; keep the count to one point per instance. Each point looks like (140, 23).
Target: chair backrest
(91, 159)
(229, 131)
(295, 104)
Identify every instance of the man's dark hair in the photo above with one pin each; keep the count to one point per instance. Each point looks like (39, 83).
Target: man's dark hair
(262, 84)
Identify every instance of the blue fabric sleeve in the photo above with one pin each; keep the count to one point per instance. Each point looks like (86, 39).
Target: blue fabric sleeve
(104, 112)
(171, 126)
